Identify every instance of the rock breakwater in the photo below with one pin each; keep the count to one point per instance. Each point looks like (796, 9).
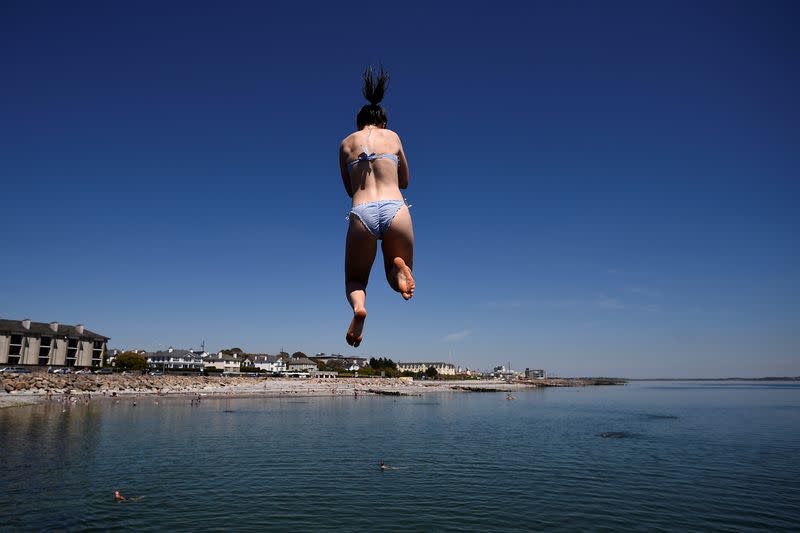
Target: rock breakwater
(77, 383)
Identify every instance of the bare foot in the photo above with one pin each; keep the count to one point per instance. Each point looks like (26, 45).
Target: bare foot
(354, 335)
(405, 281)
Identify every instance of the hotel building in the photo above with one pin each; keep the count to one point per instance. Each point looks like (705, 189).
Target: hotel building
(23, 342)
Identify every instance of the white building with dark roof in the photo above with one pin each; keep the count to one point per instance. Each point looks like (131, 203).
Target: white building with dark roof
(274, 364)
(447, 369)
(175, 359)
(23, 342)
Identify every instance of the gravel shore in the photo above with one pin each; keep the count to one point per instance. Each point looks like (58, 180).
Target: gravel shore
(23, 389)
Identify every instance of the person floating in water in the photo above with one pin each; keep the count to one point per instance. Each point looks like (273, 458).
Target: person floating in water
(382, 465)
(120, 498)
(374, 168)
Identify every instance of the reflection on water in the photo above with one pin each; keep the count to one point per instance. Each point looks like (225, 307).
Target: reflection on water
(644, 456)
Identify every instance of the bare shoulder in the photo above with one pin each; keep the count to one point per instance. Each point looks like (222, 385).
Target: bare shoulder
(392, 134)
(393, 139)
(348, 140)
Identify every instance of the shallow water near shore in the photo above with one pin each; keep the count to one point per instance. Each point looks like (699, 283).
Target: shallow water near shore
(645, 456)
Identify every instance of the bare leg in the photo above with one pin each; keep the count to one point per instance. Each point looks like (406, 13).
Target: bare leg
(359, 255)
(398, 254)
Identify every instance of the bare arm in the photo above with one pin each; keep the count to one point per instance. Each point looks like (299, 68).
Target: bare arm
(345, 172)
(402, 167)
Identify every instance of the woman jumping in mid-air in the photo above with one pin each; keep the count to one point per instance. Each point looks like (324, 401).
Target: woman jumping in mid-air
(374, 169)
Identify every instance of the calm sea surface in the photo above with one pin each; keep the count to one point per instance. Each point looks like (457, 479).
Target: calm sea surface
(649, 456)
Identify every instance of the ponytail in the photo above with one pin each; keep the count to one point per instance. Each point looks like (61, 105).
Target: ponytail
(374, 87)
(373, 90)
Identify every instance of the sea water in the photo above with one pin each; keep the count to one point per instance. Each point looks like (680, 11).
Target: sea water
(648, 456)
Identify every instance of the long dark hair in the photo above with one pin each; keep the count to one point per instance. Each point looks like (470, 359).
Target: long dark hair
(374, 88)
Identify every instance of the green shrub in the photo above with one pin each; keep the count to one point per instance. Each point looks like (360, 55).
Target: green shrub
(130, 361)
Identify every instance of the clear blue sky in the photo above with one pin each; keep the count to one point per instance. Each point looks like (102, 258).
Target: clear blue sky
(598, 188)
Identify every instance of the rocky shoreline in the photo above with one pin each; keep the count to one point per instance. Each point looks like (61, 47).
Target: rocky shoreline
(22, 389)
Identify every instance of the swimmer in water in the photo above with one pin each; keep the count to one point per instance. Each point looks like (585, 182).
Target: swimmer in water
(374, 169)
(382, 465)
(120, 498)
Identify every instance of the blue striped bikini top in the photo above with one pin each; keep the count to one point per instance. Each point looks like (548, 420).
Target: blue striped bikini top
(367, 156)
(364, 156)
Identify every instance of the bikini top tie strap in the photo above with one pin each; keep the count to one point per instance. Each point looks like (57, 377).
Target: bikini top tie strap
(366, 156)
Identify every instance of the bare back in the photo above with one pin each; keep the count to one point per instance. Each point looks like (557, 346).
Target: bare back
(381, 179)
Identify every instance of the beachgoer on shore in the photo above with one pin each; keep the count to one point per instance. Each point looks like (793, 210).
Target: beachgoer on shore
(374, 168)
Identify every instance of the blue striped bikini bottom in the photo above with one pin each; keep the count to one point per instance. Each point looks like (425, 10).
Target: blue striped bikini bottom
(377, 216)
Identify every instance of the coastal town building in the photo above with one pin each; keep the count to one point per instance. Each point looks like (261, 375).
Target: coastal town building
(300, 364)
(23, 342)
(112, 353)
(227, 363)
(175, 359)
(505, 373)
(341, 361)
(272, 364)
(323, 374)
(446, 369)
(535, 373)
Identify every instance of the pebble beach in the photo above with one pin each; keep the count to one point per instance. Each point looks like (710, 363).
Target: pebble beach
(25, 389)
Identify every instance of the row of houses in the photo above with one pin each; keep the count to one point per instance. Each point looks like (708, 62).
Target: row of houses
(445, 369)
(176, 359)
(180, 359)
(23, 342)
